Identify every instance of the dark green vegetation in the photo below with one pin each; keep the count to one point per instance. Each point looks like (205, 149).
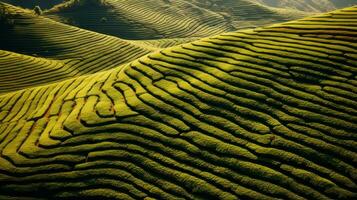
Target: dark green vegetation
(37, 10)
(268, 113)
(32, 3)
(5, 21)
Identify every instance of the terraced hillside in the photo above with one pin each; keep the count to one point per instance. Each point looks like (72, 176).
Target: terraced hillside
(343, 3)
(309, 5)
(49, 51)
(153, 19)
(269, 113)
(18, 71)
(138, 19)
(249, 13)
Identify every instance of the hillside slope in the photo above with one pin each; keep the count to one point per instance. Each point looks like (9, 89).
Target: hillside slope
(138, 19)
(344, 3)
(18, 71)
(44, 4)
(248, 13)
(154, 19)
(69, 51)
(269, 113)
(309, 5)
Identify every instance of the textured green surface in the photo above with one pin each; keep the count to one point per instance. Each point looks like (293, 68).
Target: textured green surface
(36, 50)
(308, 5)
(269, 113)
(155, 19)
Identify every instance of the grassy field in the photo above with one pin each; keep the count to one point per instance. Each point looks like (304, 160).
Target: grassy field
(267, 113)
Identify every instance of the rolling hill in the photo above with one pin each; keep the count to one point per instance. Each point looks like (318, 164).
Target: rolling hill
(155, 19)
(50, 51)
(268, 113)
(137, 19)
(248, 13)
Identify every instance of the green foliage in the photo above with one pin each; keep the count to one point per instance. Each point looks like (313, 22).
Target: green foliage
(5, 17)
(37, 10)
(66, 61)
(166, 19)
(253, 114)
(103, 20)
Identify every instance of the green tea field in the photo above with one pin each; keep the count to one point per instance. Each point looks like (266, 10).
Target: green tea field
(192, 110)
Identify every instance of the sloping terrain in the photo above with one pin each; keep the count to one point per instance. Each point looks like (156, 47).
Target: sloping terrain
(20, 71)
(45, 4)
(269, 113)
(70, 51)
(154, 19)
(344, 3)
(309, 5)
(248, 13)
(306, 5)
(138, 19)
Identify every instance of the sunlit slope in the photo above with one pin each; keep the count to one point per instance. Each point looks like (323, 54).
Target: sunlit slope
(264, 114)
(69, 51)
(308, 5)
(18, 71)
(153, 19)
(249, 13)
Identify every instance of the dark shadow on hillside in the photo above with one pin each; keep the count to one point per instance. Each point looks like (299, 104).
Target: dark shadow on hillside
(32, 3)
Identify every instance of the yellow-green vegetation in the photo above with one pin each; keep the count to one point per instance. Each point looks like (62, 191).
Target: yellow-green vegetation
(269, 113)
(249, 13)
(47, 51)
(308, 5)
(137, 19)
(154, 19)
